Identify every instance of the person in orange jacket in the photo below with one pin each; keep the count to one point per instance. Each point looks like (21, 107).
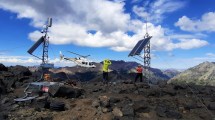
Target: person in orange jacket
(139, 71)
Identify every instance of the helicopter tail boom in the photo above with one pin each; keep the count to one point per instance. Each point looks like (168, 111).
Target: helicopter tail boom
(61, 56)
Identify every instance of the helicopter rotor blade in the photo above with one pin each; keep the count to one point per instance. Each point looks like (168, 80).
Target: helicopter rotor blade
(86, 56)
(78, 54)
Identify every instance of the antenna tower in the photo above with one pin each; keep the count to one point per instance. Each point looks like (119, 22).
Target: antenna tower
(147, 57)
(45, 41)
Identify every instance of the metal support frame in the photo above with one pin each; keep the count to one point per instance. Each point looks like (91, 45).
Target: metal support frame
(45, 51)
(147, 57)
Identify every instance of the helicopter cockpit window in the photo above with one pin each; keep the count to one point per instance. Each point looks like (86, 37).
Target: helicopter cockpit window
(90, 63)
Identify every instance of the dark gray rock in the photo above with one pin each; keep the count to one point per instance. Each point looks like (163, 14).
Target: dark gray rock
(104, 101)
(114, 100)
(66, 91)
(190, 105)
(169, 91)
(124, 118)
(20, 70)
(161, 110)
(162, 83)
(141, 106)
(3, 116)
(2, 87)
(95, 103)
(180, 86)
(128, 110)
(173, 114)
(3, 68)
(211, 106)
(154, 92)
(45, 118)
(15, 106)
(5, 100)
(58, 106)
(123, 102)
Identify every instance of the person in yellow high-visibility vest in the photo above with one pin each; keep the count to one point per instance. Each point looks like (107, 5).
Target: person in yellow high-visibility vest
(106, 64)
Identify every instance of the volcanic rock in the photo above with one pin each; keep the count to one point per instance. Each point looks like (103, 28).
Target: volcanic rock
(105, 101)
(20, 70)
(59, 106)
(4, 100)
(127, 110)
(162, 83)
(190, 105)
(95, 103)
(3, 68)
(161, 110)
(173, 114)
(117, 112)
(66, 91)
(141, 106)
(44, 118)
(211, 106)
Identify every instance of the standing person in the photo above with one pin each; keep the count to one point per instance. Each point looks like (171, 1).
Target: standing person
(139, 71)
(106, 64)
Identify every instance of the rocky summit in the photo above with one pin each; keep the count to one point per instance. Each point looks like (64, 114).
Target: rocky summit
(90, 100)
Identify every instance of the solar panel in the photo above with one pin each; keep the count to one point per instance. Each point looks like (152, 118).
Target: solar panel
(135, 48)
(34, 47)
(139, 46)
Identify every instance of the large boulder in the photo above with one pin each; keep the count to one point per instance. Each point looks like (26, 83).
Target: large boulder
(211, 106)
(164, 111)
(2, 67)
(65, 91)
(2, 87)
(20, 70)
(141, 106)
(128, 110)
(105, 101)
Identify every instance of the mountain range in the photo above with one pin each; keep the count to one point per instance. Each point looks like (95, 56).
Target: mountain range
(119, 70)
(202, 74)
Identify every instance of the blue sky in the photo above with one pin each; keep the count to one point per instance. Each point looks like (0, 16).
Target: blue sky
(183, 30)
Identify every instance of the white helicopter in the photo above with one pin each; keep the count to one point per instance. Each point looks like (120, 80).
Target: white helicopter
(80, 61)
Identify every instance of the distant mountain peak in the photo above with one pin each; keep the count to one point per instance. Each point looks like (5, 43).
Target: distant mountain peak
(202, 74)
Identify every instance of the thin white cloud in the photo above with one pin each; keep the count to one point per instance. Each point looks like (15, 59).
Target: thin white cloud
(190, 44)
(210, 54)
(73, 19)
(155, 11)
(170, 54)
(135, 1)
(206, 23)
(30, 61)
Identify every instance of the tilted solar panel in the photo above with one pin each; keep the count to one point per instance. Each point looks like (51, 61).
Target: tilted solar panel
(142, 45)
(139, 46)
(34, 47)
(132, 53)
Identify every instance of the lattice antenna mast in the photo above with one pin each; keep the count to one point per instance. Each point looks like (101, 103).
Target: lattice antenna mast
(147, 34)
(147, 57)
(46, 41)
